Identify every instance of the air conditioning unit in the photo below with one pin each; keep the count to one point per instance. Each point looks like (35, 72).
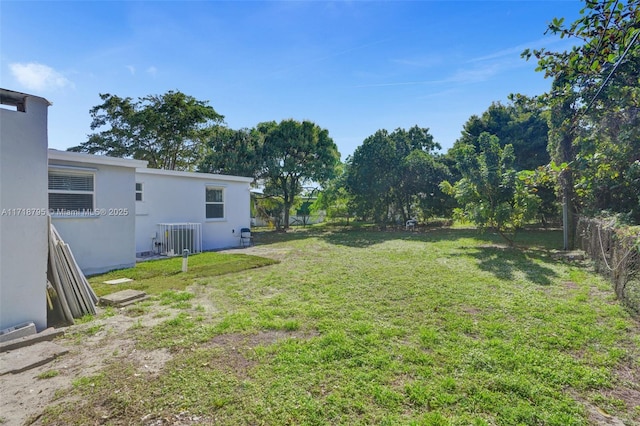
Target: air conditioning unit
(174, 238)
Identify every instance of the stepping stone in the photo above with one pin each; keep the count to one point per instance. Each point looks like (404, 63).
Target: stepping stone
(26, 358)
(45, 335)
(119, 281)
(20, 330)
(123, 298)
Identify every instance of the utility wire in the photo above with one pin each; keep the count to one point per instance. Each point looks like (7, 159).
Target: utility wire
(615, 67)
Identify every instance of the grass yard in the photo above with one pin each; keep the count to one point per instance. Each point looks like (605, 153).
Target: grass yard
(156, 276)
(446, 327)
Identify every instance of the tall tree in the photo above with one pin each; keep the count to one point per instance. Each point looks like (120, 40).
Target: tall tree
(293, 154)
(414, 167)
(591, 81)
(607, 164)
(168, 131)
(423, 174)
(371, 177)
(490, 193)
(522, 123)
(232, 152)
(392, 175)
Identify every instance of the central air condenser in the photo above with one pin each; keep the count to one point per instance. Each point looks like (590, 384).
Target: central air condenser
(174, 238)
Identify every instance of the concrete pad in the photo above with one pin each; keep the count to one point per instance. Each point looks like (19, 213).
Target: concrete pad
(119, 281)
(131, 302)
(123, 298)
(45, 335)
(23, 359)
(20, 330)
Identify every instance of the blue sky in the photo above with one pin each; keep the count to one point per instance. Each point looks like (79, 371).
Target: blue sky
(352, 67)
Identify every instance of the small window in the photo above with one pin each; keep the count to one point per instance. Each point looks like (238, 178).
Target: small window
(71, 192)
(138, 191)
(214, 204)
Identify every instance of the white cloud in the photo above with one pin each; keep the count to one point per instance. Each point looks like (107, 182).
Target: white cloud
(131, 69)
(152, 70)
(36, 76)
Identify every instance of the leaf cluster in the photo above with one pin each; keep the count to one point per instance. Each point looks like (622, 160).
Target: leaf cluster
(395, 176)
(594, 106)
(282, 157)
(166, 130)
(491, 194)
(521, 123)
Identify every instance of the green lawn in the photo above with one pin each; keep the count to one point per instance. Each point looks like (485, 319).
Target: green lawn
(444, 327)
(156, 276)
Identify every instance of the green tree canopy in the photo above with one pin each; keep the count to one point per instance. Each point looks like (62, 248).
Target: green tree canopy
(490, 193)
(293, 154)
(334, 198)
(522, 123)
(232, 152)
(423, 174)
(392, 176)
(370, 177)
(168, 131)
(594, 103)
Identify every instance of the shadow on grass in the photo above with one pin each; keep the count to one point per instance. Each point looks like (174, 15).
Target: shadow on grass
(528, 257)
(505, 262)
(363, 237)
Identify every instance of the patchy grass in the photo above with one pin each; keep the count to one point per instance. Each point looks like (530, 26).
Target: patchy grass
(447, 327)
(176, 299)
(49, 374)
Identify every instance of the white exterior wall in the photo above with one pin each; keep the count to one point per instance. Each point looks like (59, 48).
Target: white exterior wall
(23, 237)
(179, 197)
(105, 241)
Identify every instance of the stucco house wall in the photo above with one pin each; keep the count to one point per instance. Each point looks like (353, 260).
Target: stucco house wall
(180, 197)
(23, 204)
(35, 181)
(104, 239)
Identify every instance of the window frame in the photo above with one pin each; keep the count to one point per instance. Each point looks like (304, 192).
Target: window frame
(139, 191)
(222, 203)
(72, 171)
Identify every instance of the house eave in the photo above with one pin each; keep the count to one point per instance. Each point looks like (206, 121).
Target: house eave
(80, 157)
(194, 175)
(13, 98)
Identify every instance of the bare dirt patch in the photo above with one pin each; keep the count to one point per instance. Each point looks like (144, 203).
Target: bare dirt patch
(92, 346)
(235, 347)
(570, 285)
(97, 344)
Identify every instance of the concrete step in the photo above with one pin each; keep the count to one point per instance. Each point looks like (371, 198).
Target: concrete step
(45, 335)
(123, 298)
(28, 357)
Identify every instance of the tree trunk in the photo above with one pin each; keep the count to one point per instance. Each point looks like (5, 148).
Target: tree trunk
(568, 191)
(562, 128)
(569, 209)
(287, 207)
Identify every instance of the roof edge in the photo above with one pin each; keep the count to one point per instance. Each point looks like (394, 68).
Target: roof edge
(82, 157)
(197, 175)
(12, 97)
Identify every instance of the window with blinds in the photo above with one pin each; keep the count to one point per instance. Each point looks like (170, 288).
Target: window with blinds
(71, 192)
